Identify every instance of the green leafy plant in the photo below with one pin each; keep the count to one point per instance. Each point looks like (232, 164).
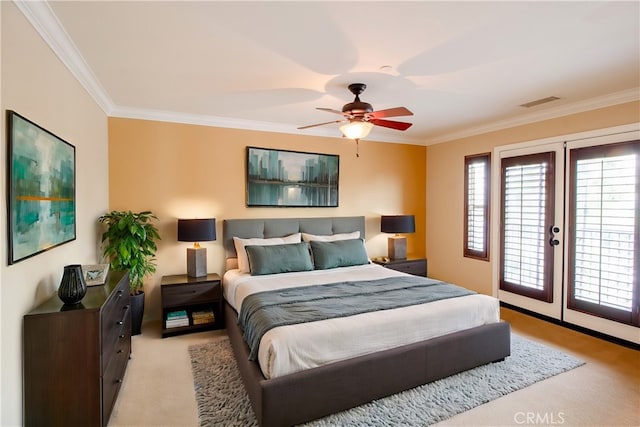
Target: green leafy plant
(130, 244)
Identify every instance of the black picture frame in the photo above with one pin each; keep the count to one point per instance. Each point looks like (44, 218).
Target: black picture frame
(286, 178)
(41, 189)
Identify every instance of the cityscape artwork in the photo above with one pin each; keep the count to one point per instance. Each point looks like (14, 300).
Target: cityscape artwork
(283, 178)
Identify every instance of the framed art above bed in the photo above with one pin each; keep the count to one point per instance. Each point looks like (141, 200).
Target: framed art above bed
(283, 178)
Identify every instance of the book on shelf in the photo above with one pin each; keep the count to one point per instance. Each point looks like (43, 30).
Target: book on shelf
(202, 317)
(176, 319)
(175, 323)
(178, 314)
(202, 313)
(203, 321)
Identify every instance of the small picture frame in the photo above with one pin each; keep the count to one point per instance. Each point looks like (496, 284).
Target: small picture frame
(96, 274)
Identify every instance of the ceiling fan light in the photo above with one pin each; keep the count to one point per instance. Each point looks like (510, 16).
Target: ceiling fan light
(356, 129)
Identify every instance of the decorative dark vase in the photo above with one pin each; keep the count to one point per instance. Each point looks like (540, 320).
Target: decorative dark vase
(72, 286)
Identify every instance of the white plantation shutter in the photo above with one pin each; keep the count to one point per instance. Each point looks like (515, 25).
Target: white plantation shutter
(526, 262)
(476, 244)
(604, 223)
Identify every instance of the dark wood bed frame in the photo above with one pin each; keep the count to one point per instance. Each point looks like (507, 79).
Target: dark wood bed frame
(314, 393)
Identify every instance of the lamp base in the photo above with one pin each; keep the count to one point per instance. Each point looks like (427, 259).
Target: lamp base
(397, 247)
(196, 262)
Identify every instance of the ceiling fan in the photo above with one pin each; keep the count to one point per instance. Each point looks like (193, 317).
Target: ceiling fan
(359, 116)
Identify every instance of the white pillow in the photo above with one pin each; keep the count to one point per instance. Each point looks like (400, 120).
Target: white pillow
(331, 237)
(243, 259)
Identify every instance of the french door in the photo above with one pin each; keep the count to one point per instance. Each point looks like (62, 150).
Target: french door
(566, 220)
(531, 222)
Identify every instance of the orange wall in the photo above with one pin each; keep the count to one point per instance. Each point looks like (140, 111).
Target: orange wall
(445, 187)
(182, 171)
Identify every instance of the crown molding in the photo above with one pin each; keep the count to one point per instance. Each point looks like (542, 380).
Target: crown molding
(198, 119)
(46, 23)
(604, 101)
(226, 122)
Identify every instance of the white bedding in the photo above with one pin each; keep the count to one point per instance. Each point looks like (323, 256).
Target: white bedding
(288, 349)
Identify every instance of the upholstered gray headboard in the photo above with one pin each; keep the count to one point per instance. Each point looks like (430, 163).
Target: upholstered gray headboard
(277, 227)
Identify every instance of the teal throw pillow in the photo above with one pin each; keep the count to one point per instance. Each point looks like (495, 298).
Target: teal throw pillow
(341, 253)
(273, 259)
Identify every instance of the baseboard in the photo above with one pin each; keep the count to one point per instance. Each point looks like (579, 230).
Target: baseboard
(573, 327)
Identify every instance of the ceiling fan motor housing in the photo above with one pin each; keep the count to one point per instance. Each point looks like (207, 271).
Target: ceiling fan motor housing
(357, 108)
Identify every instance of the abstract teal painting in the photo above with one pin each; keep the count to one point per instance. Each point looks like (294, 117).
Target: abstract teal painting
(42, 195)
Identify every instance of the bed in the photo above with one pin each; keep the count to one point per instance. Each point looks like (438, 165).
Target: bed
(289, 394)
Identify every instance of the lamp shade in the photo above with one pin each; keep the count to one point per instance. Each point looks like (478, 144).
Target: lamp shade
(398, 224)
(356, 129)
(196, 230)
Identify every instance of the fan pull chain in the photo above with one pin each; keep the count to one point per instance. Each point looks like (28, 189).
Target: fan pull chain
(357, 147)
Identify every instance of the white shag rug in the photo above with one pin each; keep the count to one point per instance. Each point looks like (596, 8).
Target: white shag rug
(222, 400)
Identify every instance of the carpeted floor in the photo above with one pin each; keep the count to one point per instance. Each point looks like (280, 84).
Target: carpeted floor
(222, 400)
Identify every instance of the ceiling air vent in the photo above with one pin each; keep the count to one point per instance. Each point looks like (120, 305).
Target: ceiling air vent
(539, 101)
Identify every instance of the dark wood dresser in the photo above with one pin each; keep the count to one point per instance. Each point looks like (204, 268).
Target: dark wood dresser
(75, 357)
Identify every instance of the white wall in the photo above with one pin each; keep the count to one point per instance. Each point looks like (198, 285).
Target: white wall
(2, 185)
(38, 86)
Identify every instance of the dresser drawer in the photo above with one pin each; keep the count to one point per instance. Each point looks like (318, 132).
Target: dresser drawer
(185, 294)
(115, 306)
(116, 333)
(113, 376)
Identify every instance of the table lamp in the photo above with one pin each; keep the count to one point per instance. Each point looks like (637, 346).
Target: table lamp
(397, 246)
(196, 230)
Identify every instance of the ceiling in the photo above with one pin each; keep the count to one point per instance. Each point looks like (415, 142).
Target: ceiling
(461, 67)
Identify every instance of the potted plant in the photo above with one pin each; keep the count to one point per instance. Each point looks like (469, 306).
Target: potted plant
(129, 244)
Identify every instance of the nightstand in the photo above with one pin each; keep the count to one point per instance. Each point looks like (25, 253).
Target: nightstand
(191, 304)
(416, 266)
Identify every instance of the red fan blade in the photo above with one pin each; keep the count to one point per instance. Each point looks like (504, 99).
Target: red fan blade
(321, 124)
(391, 124)
(391, 112)
(330, 110)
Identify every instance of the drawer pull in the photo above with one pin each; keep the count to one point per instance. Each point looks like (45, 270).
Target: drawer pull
(122, 336)
(120, 322)
(119, 351)
(126, 307)
(119, 380)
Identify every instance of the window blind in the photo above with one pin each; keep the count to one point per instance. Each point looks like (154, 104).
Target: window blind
(476, 205)
(605, 230)
(524, 225)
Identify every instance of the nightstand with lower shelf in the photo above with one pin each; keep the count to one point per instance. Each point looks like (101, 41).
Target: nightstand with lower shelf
(416, 266)
(191, 304)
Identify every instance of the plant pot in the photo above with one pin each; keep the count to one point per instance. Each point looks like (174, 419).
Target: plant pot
(137, 311)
